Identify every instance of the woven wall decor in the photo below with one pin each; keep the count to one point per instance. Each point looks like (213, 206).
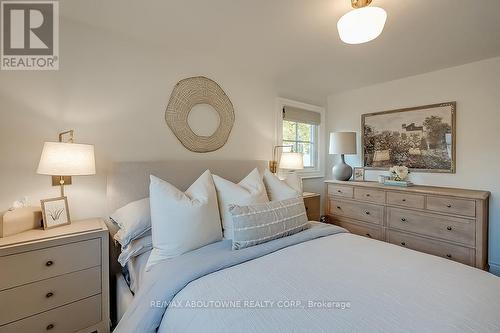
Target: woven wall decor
(193, 91)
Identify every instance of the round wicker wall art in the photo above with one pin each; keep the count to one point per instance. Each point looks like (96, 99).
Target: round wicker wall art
(193, 91)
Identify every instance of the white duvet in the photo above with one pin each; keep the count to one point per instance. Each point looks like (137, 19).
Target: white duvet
(339, 283)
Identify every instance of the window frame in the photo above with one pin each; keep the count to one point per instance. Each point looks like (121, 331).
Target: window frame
(319, 170)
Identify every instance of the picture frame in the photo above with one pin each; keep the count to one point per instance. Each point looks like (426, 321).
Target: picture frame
(423, 138)
(359, 174)
(55, 212)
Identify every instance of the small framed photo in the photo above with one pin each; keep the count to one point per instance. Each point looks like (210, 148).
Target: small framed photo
(359, 174)
(55, 212)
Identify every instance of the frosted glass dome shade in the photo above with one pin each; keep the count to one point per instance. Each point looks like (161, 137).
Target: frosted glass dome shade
(361, 25)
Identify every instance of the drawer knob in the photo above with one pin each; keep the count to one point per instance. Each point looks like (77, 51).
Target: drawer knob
(404, 200)
(367, 213)
(403, 243)
(49, 263)
(49, 327)
(338, 207)
(368, 235)
(339, 191)
(448, 205)
(403, 219)
(449, 228)
(367, 194)
(448, 256)
(49, 294)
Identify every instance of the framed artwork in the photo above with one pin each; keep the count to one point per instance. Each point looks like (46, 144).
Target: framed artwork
(55, 212)
(421, 138)
(359, 174)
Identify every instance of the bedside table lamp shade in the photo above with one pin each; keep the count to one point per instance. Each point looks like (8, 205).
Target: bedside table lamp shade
(66, 159)
(291, 161)
(342, 143)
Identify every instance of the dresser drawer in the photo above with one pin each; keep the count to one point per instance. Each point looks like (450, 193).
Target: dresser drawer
(364, 194)
(357, 210)
(70, 318)
(448, 228)
(340, 191)
(451, 205)
(27, 267)
(406, 200)
(461, 254)
(365, 230)
(33, 298)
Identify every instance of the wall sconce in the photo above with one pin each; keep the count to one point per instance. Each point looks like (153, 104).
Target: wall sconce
(290, 160)
(61, 160)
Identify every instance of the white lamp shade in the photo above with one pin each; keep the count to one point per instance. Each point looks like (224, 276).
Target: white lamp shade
(342, 143)
(66, 159)
(361, 25)
(292, 161)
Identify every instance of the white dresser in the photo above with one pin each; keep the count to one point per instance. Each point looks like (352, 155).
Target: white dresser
(447, 222)
(55, 280)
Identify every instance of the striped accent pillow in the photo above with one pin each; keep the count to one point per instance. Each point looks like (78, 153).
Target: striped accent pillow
(260, 223)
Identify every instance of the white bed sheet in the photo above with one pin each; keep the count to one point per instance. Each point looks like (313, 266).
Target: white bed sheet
(123, 296)
(125, 292)
(136, 270)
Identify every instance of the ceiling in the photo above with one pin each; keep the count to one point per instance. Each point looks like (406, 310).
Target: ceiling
(294, 43)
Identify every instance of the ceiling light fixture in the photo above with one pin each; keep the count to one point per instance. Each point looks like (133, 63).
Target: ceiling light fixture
(362, 24)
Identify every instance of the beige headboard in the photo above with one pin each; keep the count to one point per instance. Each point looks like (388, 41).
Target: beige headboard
(129, 181)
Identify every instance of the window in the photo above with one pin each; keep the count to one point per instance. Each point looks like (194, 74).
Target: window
(304, 139)
(301, 126)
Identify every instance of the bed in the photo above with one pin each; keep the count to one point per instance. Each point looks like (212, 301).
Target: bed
(322, 279)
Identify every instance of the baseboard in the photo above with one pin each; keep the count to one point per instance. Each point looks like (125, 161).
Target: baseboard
(495, 268)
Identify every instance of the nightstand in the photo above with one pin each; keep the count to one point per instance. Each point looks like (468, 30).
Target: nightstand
(312, 202)
(56, 280)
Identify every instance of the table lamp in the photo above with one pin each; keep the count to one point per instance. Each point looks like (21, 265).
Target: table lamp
(61, 160)
(342, 143)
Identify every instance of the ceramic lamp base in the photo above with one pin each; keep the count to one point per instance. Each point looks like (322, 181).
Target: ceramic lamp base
(342, 171)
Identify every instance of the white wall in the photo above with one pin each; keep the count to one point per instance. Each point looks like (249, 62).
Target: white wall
(113, 90)
(476, 88)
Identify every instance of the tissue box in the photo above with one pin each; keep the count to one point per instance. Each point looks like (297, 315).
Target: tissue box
(19, 220)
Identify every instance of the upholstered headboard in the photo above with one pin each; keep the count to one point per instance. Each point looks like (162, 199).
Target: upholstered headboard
(129, 181)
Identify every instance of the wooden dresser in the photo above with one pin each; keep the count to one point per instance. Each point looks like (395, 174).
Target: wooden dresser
(55, 280)
(446, 222)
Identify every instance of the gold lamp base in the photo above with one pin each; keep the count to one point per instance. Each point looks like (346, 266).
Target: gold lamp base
(360, 3)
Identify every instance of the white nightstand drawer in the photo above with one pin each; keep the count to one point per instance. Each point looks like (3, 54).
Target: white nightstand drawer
(21, 302)
(27, 267)
(70, 318)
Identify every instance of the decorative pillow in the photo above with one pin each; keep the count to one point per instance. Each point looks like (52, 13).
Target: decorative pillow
(250, 190)
(134, 220)
(261, 223)
(136, 248)
(278, 190)
(180, 221)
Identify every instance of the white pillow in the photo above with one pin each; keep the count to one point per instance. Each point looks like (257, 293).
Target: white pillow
(134, 220)
(136, 248)
(250, 190)
(279, 190)
(180, 221)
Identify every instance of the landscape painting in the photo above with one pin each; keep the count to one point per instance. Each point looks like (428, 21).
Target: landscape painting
(420, 138)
